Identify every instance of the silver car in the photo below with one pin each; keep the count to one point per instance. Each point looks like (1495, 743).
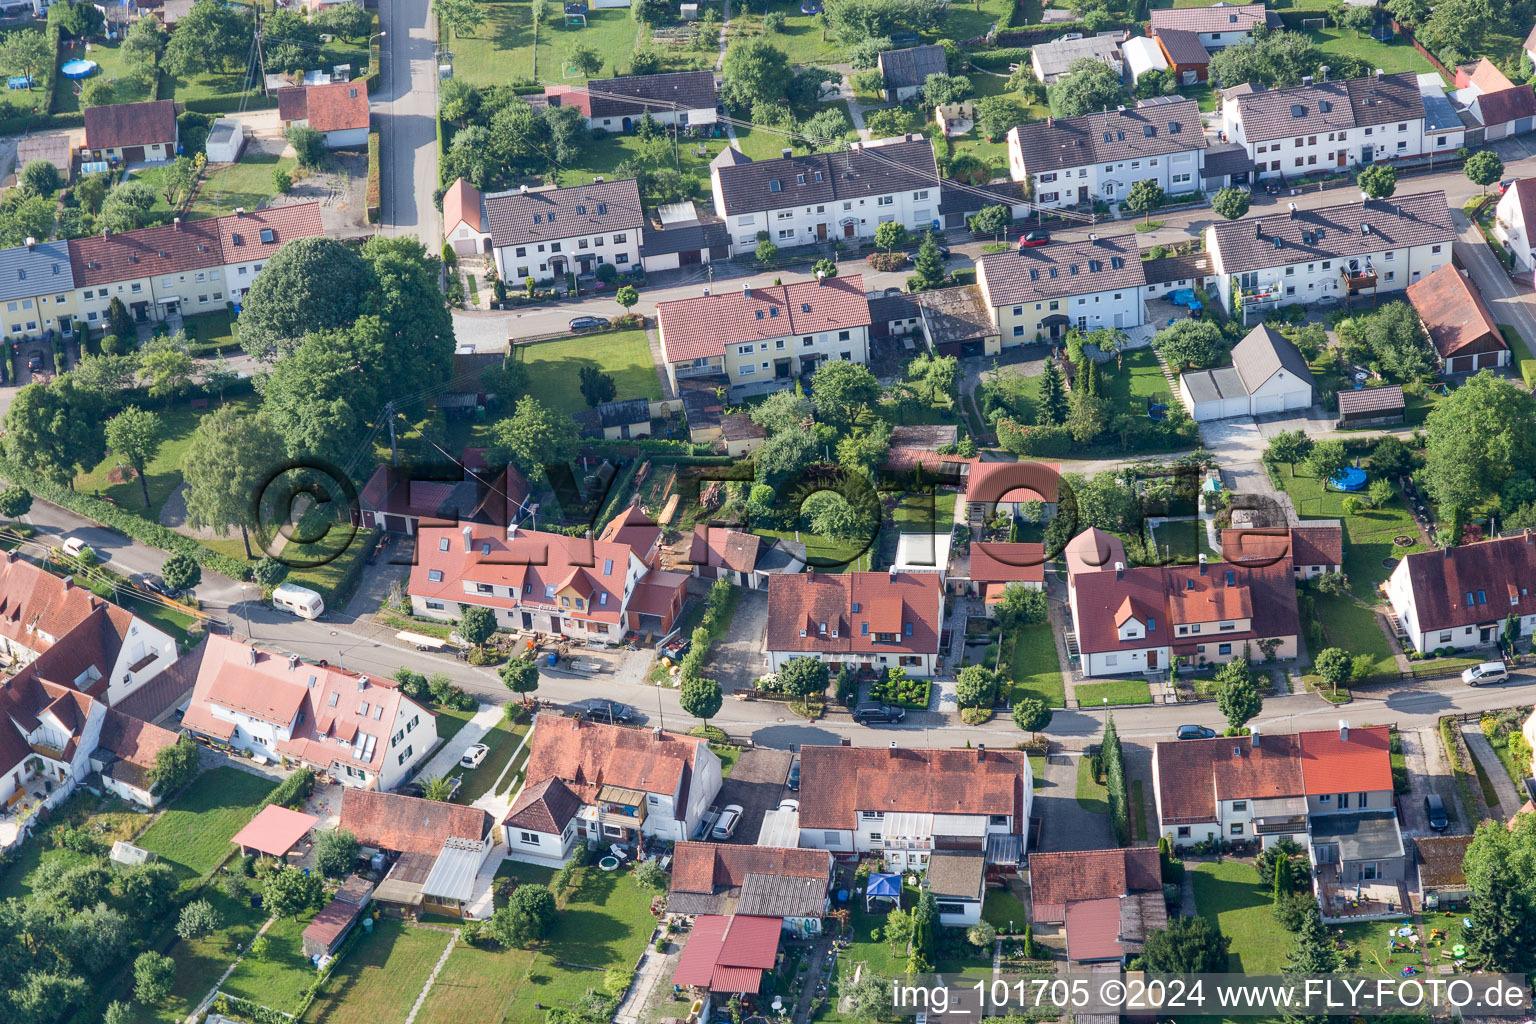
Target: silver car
(725, 825)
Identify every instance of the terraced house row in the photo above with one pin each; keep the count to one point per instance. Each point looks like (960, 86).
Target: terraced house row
(182, 268)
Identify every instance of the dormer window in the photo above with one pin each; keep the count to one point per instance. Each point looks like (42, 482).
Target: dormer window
(333, 699)
(602, 599)
(549, 590)
(823, 627)
(908, 629)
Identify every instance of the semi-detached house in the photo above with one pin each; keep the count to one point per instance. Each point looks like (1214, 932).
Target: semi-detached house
(683, 98)
(1076, 160)
(907, 803)
(1217, 26)
(762, 338)
(873, 620)
(546, 233)
(1461, 597)
(37, 289)
(1038, 294)
(1363, 247)
(801, 200)
(1318, 127)
(185, 267)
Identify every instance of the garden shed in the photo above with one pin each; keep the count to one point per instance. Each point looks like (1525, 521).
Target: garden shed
(1371, 407)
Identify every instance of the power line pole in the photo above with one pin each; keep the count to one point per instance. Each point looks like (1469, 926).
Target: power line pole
(261, 58)
(394, 446)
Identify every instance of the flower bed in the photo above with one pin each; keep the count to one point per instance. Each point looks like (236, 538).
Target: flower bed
(901, 691)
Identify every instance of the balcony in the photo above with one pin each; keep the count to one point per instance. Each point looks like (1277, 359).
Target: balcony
(622, 807)
(1355, 278)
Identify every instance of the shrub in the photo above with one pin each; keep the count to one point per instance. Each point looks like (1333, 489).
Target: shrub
(887, 261)
(894, 687)
(375, 191)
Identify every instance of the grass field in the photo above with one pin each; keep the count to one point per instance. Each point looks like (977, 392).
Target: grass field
(1519, 352)
(1035, 667)
(116, 822)
(1091, 796)
(604, 156)
(193, 834)
(327, 560)
(1141, 377)
(200, 962)
(281, 977)
(164, 470)
(503, 740)
(247, 185)
(476, 986)
(612, 33)
(1368, 537)
(379, 979)
(500, 49)
(1001, 908)
(1119, 691)
(1229, 895)
(1391, 57)
(1352, 626)
(1181, 543)
(114, 67)
(554, 367)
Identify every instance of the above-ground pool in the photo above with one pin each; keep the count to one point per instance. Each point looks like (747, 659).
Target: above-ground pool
(1350, 478)
(77, 68)
(608, 863)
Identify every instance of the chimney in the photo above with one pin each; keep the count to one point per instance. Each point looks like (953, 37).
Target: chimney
(786, 152)
(1258, 230)
(69, 582)
(1306, 79)
(253, 654)
(892, 571)
(293, 662)
(362, 683)
(1343, 729)
(981, 752)
(523, 189)
(1447, 553)
(1119, 570)
(1293, 211)
(239, 211)
(511, 531)
(1526, 533)
(1378, 74)
(1202, 565)
(657, 732)
(893, 748)
(31, 242)
(746, 291)
(469, 538)
(10, 556)
(1050, 122)
(176, 223)
(1253, 736)
(597, 180)
(821, 278)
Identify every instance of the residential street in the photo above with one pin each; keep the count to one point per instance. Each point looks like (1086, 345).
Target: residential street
(406, 111)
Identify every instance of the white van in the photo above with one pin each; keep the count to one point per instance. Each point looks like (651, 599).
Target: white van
(1487, 672)
(301, 601)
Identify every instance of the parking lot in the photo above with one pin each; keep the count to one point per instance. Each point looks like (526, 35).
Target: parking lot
(757, 784)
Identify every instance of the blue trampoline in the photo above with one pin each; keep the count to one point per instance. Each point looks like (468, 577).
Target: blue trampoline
(1350, 478)
(77, 68)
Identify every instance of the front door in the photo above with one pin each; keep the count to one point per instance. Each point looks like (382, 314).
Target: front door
(1082, 193)
(1485, 634)
(527, 620)
(688, 257)
(848, 230)
(554, 623)
(1151, 659)
(1342, 157)
(821, 232)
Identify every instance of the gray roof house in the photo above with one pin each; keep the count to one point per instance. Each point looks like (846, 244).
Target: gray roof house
(905, 71)
(1062, 143)
(29, 273)
(520, 216)
(1268, 375)
(759, 185)
(1052, 60)
(633, 95)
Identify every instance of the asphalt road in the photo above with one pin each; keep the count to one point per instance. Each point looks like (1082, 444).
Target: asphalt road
(406, 106)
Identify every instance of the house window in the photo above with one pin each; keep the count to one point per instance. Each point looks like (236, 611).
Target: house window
(998, 819)
(435, 575)
(1236, 828)
(1363, 801)
(1224, 649)
(1325, 799)
(830, 838)
(435, 606)
(528, 838)
(1183, 832)
(1239, 805)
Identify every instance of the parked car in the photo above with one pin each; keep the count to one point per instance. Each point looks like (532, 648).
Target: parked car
(725, 825)
(1487, 672)
(588, 323)
(1195, 732)
(871, 712)
(35, 363)
(1507, 184)
(1032, 239)
(789, 805)
(944, 252)
(794, 777)
(150, 583)
(474, 755)
(609, 711)
(1434, 810)
(74, 547)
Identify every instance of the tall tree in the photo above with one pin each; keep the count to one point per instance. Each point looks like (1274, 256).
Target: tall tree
(1195, 344)
(1326, 459)
(521, 676)
(231, 456)
(418, 352)
(213, 36)
(597, 387)
(1236, 696)
(1481, 437)
(1378, 181)
(54, 429)
(321, 397)
(27, 52)
(754, 68)
(1088, 86)
(1189, 945)
(1289, 447)
(701, 698)
(535, 436)
(1053, 394)
(310, 284)
(1231, 203)
(1144, 197)
(459, 16)
(929, 265)
(843, 390)
(134, 434)
(1483, 168)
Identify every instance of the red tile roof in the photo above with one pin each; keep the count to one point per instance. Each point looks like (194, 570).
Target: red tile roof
(724, 548)
(1304, 545)
(1453, 313)
(1093, 550)
(546, 806)
(461, 203)
(1013, 481)
(700, 327)
(1506, 105)
(1093, 930)
(838, 782)
(1058, 879)
(1334, 763)
(705, 867)
(998, 562)
(275, 830)
(335, 107)
(728, 954)
(408, 824)
(634, 529)
(132, 740)
(1193, 774)
(130, 124)
(855, 606)
(587, 756)
(1445, 585)
(38, 608)
(190, 245)
(241, 234)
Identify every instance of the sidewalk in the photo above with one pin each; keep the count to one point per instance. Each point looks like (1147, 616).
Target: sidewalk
(447, 757)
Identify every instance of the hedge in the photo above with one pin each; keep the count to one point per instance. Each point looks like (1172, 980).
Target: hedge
(50, 83)
(292, 791)
(109, 515)
(1000, 57)
(375, 65)
(374, 189)
(1041, 442)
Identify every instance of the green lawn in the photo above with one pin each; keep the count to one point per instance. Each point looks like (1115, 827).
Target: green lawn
(200, 962)
(1001, 908)
(1368, 537)
(801, 38)
(1119, 691)
(213, 92)
(329, 559)
(1352, 626)
(1397, 55)
(498, 50)
(193, 834)
(116, 821)
(763, 144)
(207, 332)
(612, 33)
(475, 986)
(114, 67)
(1141, 377)
(1519, 352)
(1091, 796)
(1036, 771)
(246, 185)
(604, 155)
(1180, 542)
(379, 978)
(554, 367)
(168, 619)
(1035, 667)
(1229, 895)
(164, 470)
(280, 979)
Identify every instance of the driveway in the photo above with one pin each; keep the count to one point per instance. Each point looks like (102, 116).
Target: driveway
(1066, 824)
(757, 784)
(1424, 758)
(738, 659)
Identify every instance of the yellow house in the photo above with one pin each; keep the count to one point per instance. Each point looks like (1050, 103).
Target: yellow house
(1036, 294)
(37, 290)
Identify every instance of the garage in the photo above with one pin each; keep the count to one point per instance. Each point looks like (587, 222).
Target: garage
(1461, 364)
(133, 154)
(1268, 375)
(1213, 394)
(1268, 403)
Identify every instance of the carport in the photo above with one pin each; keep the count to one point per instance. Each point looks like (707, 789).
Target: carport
(275, 831)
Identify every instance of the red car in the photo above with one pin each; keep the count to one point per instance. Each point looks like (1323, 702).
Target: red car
(1504, 186)
(1031, 239)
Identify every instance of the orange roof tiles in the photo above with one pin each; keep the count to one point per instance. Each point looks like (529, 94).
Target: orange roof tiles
(996, 562)
(408, 824)
(855, 606)
(701, 327)
(334, 107)
(1332, 762)
(1057, 879)
(1454, 313)
(838, 782)
(1013, 481)
(587, 756)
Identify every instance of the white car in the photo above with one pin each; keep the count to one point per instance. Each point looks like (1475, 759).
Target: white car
(789, 805)
(725, 825)
(1487, 672)
(74, 546)
(474, 755)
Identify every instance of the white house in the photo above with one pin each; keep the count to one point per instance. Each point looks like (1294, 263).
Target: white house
(1268, 374)
(1075, 160)
(957, 879)
(1357, 248)
(872, 620)
(338, 111)
(546, 233)
(763, 338)
(1321, 126)
(1500, 106)
(125, 755)
(1217, 26)
(1514, 222)
(908, 802)
(1462, 597)
(755, 881)
(362, 731)
(1037, 294)
(682, 98)
(820, 197)
(609, 784)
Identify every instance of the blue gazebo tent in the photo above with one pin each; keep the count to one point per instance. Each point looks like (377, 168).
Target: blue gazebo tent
(883, 887)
